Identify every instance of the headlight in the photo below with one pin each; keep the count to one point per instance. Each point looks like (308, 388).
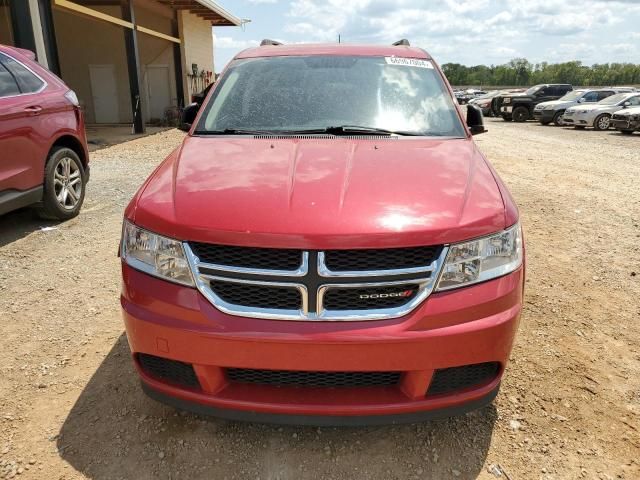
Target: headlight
(483, 259)
(549, 107)
(154, 254)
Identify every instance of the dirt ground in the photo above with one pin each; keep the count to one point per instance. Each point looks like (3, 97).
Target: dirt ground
(71, 406)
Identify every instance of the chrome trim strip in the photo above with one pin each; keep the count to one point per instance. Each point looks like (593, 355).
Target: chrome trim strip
(425, 287)
(324, 271)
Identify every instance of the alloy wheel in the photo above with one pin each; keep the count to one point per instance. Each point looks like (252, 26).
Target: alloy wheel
(67, 183)
(603, 123)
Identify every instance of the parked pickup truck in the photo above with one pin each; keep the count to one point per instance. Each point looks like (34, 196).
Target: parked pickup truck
(519, 106)
(327, 246)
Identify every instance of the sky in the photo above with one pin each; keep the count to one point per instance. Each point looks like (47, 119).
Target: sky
(470, 32)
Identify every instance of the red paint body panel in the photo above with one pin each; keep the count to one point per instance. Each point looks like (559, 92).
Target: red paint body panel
(472, 325)
(335, 193)
(31, 123)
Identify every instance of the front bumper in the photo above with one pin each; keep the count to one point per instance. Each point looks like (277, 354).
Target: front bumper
(619, 124)
(472, 325)
(508, 110)
(544, 116)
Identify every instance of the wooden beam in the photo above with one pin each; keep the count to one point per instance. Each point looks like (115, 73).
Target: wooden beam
(148, 31)
(74, 7)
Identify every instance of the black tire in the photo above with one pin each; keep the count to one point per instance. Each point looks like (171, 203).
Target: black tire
(520, 114)
(579, 127)
(600, 124)
(506, 118)
(56, 204)
(626, 132)
(557, 118)
(546, 122)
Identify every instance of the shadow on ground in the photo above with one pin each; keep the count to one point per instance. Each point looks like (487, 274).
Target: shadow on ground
(20, 223)
(114, 431)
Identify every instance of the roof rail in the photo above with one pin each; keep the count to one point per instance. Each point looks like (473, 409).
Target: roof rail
(403, 42)
(267, 41)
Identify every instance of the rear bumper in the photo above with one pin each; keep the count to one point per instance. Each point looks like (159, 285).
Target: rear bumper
(473, 325)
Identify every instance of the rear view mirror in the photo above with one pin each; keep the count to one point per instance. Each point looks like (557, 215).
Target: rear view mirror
(188, 116)
(475, 120)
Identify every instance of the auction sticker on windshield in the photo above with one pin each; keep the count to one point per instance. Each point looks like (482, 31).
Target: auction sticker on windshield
(408, 62)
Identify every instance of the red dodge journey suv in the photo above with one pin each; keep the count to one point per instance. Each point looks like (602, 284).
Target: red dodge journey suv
(327, 246)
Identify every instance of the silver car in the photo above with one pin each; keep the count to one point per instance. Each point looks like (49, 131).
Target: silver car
(598, 115)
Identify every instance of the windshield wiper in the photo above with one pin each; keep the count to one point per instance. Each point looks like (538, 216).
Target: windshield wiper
(235, 131)
(351, 129)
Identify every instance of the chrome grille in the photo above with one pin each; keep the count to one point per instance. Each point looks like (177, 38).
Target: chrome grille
(286, 284)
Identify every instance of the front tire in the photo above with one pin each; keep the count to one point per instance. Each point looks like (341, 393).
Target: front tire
(557, 119)
(520, 114)
(64, 185)
(602, 122)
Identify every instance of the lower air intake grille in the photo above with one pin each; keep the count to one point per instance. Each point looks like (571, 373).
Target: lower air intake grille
(257, 296)
(291, 378)
(449, 380)
(369, 298)
(171, 371)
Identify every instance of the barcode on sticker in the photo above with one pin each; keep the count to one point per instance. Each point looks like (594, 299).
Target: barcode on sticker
(408, 62)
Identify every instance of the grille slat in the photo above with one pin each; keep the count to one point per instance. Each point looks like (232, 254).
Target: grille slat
(248, 257)
(380, 259)
(378, 297)
(168, 370)
(449, 380)
(257, 296)
(309, 379)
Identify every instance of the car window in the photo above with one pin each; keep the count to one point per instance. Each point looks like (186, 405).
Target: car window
(293, 93)
(27, 80)
(604, 94)
(544, 91)
(8, 85)
(592, 97)
(635, 101)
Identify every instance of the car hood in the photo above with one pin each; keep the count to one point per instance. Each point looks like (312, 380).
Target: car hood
(322, 192)
(557, 103)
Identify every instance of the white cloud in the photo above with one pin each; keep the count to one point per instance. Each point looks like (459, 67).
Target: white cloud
(228, 42)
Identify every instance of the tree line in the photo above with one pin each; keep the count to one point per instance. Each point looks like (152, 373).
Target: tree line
(521, 72)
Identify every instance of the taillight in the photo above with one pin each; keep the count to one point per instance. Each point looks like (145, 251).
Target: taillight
(72, 97)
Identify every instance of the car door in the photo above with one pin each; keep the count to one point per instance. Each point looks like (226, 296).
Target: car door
(544, 95)
(602, 94)
(21, 113)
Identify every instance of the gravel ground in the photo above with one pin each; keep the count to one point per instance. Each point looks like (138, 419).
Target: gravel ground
(71, 407)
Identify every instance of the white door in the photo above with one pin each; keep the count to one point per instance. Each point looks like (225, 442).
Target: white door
(104, 92)
(158, 90)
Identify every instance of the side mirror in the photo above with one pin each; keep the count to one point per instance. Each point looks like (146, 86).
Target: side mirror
(188, 116)
(581, 100)
(475, 121)
(626, 104)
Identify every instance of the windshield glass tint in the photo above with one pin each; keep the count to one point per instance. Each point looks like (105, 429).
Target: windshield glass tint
(613, 99)
(315, 92)
(573, 95)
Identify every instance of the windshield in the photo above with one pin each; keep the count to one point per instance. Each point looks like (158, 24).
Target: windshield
(532, 90)
(614, 99)
(300, 93)
(573, 95)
